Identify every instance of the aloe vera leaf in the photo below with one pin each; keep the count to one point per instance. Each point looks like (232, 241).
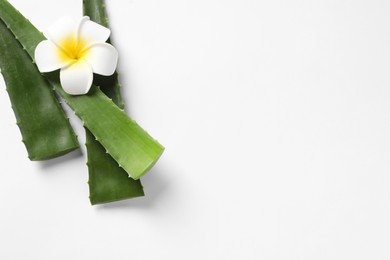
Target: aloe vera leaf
(45, 129)
(107, 182)
(96, 11)
(133, 148)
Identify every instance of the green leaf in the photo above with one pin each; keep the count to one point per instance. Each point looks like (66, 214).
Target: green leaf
(134, 149)
(45, 128)
(107, 182)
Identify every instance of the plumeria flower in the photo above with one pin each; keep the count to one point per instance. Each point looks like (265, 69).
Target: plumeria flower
(79, 49)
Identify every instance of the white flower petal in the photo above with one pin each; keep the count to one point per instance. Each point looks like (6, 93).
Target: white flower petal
(92, 32)
(103, 58)
(64, 28)
(77, 47)
(76, 79)
(48, 57)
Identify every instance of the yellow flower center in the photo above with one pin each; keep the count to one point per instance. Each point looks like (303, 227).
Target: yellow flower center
(71, 50)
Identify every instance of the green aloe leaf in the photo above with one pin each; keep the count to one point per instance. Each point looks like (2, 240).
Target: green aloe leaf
(134, 149)
(45, 129)
(107, 182)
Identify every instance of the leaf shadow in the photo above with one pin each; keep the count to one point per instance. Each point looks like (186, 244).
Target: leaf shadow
(60, 160)
(155, 186)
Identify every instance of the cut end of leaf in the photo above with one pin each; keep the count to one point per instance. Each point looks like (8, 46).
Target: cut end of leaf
(95, 202)
(139, 174)
(52, 155)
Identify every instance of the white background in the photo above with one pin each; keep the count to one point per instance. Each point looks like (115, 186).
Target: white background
(275, 116)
